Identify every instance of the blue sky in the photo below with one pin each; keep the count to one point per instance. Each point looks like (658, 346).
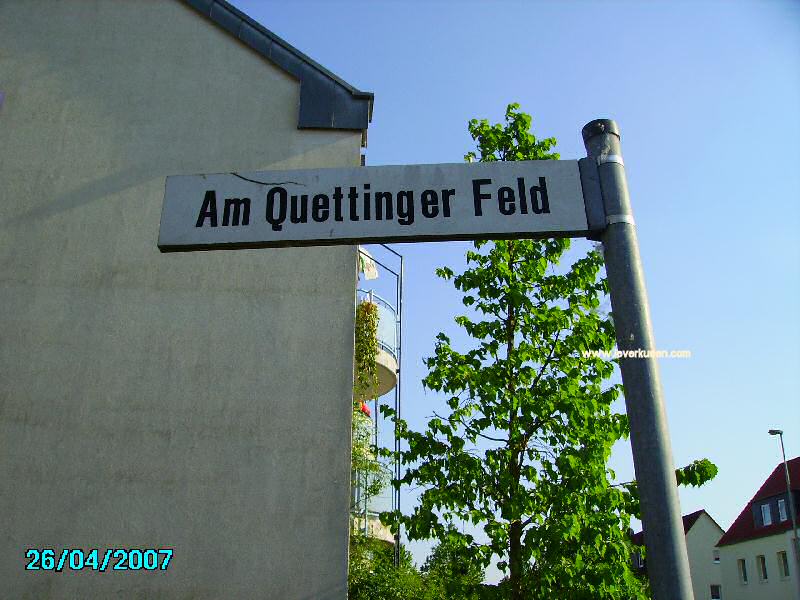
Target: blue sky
(706, 95)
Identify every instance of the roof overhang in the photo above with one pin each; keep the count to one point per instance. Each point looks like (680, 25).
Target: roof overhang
(326, 100)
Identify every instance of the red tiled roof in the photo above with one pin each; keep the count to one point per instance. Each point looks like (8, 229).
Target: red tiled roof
(744, 527)
(688, 521)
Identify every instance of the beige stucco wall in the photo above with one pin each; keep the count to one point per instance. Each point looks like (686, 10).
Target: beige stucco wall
(194, 401)
(700, 543)
(776, 588)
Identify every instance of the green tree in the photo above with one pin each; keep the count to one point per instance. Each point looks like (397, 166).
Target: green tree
(373, 576)
(523, 450)
(448, 576)
(695, 474)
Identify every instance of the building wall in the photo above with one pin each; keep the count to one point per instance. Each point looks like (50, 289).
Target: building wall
(775, 588)
(700, 544)
(196, 401)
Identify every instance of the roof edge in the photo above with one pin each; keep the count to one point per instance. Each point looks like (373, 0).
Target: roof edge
(743, 527)
(326, 100)
(775, 529)
(713, 520)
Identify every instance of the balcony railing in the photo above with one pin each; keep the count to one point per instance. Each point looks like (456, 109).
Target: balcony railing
(389, 333)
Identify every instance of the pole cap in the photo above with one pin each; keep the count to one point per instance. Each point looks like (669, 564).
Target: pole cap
(598, 127)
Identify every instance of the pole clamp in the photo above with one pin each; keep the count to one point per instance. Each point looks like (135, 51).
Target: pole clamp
(607, 158)
(611, 219)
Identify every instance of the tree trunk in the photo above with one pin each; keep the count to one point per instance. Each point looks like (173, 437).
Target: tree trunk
(515, 559)
(515, 527)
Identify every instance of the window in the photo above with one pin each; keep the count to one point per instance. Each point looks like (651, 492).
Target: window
(761, 564)
(716, 592)
(783, 564)
(742, 570)
(766, 514)
(782, 516)
(715, 554)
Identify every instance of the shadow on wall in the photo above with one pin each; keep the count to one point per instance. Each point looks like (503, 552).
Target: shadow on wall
(85, 105)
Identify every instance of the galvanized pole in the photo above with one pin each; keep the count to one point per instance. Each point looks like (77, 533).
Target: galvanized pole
(793, 511)
(667, 562)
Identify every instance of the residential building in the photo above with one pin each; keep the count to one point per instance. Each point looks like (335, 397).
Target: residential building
(756, 551)
(702, 534)
(198, 401)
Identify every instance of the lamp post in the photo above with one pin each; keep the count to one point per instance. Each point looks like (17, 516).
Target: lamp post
(795, 543)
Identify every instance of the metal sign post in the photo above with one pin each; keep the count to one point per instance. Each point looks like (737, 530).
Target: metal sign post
(524, 199)
(667, 561)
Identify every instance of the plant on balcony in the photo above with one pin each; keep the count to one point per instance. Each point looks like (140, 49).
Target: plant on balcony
(366, 351)
(368, 473)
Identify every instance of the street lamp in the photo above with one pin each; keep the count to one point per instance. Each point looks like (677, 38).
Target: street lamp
(796, 548)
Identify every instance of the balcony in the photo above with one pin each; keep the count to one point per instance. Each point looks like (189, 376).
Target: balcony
(372, 492)
(374, 529)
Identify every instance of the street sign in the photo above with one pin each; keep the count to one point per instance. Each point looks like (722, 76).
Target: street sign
(373, 204)
(525, 199)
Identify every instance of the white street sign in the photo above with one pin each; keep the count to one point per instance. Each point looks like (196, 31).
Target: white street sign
(373, 204)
